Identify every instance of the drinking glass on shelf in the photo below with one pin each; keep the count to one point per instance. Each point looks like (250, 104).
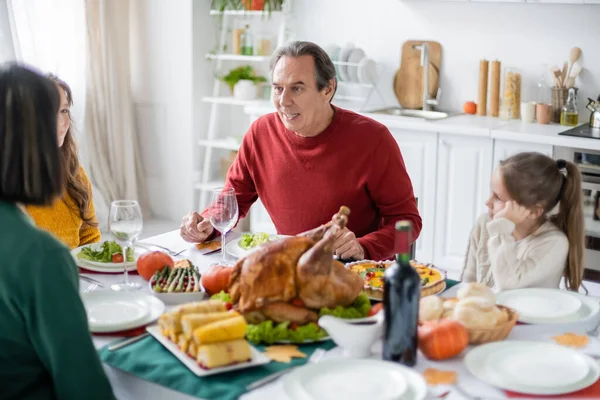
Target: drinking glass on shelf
(125, 224)
(223, 213)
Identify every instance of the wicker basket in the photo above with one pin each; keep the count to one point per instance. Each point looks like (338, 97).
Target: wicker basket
(500, 332)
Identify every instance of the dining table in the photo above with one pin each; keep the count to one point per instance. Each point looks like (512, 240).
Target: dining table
(129, 386)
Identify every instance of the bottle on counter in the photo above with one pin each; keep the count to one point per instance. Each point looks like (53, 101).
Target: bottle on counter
(402, 290)
(247, 42)
(569, 115)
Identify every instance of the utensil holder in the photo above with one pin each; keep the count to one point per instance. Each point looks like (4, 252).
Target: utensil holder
(559, 98)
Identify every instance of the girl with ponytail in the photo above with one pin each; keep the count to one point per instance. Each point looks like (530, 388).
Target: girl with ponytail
(533, 233)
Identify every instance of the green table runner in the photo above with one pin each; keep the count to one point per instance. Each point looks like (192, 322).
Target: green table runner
(149, 360)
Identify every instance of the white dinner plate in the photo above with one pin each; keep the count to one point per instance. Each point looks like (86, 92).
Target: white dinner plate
(110, 311)
(538, 305)
(355, 58)
(535, 368)
(351, 379)
(367, 71)
(131, 265)
(258, 358)
(343, 57)
(234, 249)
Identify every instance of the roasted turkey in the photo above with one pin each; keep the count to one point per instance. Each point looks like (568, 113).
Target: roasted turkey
(291, 278)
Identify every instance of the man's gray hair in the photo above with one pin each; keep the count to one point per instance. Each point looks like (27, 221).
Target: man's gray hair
(324, 68)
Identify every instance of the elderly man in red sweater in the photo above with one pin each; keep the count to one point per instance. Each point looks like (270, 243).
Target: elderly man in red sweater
(310, 157)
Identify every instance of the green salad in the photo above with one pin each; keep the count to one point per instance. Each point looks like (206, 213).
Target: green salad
(251, 240)
(105, 253)
(270, 332)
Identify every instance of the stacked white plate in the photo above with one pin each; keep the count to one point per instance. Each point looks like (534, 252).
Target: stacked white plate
(532, 367)
(354, 379)
(110, 311)
(105, 266)
(549, 306)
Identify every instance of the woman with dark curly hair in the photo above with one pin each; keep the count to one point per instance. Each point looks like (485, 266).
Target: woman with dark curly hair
(72, 217)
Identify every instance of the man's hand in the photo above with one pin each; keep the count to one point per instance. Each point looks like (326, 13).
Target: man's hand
(194, 228)
(346, 246)
(513, 212)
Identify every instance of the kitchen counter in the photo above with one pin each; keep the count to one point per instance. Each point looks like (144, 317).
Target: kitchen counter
(474, 125)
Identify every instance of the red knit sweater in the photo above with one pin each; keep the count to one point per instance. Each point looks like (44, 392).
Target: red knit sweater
(303, 181)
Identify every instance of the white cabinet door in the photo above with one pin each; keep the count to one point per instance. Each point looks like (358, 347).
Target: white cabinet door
(506, 148)
(464, 167)
(419, 150)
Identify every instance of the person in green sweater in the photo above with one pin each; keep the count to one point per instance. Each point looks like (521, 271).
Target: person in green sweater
(46, 350)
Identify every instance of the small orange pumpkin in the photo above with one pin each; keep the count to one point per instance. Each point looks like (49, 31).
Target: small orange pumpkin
(216, 279)
(439, 340)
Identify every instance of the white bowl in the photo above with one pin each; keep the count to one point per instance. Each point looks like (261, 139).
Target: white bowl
(179, 298)
(355, 337)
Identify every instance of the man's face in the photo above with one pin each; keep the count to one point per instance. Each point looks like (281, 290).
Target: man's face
(301, 106)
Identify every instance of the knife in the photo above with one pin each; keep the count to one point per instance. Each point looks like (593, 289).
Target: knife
(211, 252)
(127, 342)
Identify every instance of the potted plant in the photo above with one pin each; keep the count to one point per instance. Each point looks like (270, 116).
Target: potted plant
(243, 73)
(254, 5)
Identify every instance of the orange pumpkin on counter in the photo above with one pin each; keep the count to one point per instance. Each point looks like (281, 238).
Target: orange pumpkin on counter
(439, 340)
(152, 261)
(216, 279)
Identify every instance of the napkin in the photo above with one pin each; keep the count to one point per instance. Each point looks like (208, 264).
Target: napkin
(149, 360)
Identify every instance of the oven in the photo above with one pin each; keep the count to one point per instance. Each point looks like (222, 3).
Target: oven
(589, 164)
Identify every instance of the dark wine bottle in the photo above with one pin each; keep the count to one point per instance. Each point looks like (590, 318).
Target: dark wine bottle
(401, 293)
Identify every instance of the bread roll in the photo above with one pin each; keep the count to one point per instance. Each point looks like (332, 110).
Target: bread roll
(430, 308)
(477, 313)
(448, 308)
(476, 290)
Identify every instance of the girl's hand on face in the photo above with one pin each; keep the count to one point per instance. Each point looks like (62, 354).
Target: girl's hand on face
(513, 212)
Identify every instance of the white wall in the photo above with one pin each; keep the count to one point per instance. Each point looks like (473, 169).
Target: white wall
(162, 87)
(521, 35)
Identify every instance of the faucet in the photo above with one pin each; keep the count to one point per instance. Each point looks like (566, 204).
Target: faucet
(427, 102)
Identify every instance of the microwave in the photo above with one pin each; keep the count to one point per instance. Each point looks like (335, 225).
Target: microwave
(589, 165)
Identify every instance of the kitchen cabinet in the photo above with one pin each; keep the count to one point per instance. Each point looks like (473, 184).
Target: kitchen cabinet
(506, 148)
(419, 150)
(464, 168)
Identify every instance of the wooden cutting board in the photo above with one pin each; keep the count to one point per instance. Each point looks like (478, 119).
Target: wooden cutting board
(408, 81)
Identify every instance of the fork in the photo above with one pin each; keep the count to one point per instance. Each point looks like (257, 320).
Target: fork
(90, 288)
(169, 251)
(314, 358)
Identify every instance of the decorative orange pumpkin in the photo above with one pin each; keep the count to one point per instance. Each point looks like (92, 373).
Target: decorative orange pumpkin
(151, 261)
(216, 279)
(439, 340)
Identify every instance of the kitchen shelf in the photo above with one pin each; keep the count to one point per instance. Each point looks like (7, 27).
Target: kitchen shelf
(244, 13)
(233, 101)
(227, 144)
(237, 57)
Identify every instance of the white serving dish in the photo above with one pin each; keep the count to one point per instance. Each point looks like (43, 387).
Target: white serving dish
(180, 298)
(258, 358)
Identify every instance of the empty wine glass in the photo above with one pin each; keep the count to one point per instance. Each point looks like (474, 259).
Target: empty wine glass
(223, 213)
(125, 224)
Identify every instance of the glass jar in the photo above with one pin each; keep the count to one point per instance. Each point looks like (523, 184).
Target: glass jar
(569, 115)
(247, 42)
(511, 94)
